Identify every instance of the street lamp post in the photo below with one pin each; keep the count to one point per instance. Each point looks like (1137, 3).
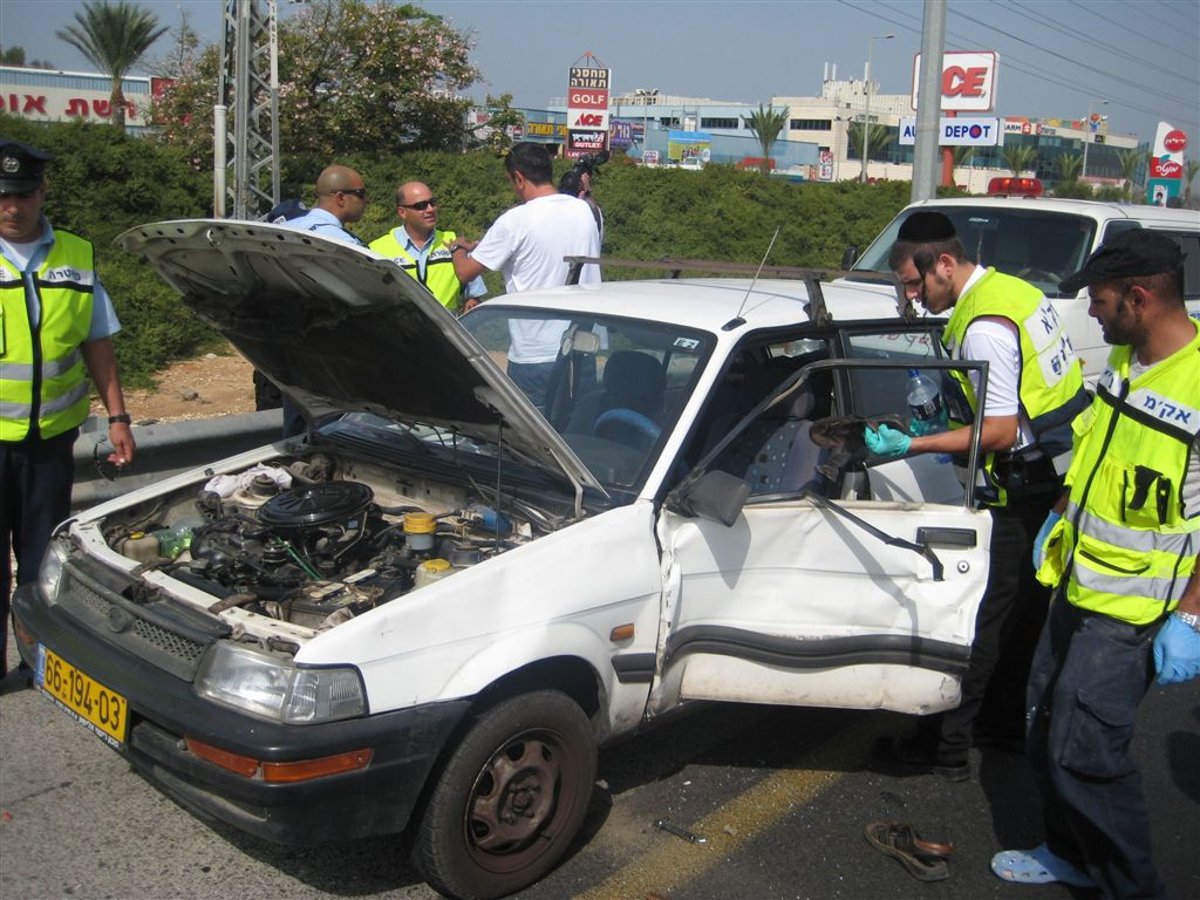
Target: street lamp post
(867, 102)
(1087, 136)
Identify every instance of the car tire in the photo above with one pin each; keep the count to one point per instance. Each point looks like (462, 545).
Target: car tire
(510, 799)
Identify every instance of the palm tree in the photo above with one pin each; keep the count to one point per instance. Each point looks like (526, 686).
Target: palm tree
(766, 123)
(877, 135)
(961, 155)
(1130, 160)
(1190, 168)
(1019, 158)
(113, 39)
(1069, 167)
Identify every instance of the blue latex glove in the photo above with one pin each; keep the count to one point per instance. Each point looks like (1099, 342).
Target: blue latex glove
(886, 441)
(1039, 542)
(1176, 652)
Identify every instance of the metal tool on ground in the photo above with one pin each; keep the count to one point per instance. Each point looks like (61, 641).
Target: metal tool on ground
(680, 831)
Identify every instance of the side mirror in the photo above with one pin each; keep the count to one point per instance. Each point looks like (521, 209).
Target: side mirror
(849, 255)
(715, 495)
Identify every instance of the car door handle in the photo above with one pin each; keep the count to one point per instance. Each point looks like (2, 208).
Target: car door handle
(947, 537)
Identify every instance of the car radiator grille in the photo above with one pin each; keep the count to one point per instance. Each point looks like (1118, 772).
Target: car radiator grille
(145, 630)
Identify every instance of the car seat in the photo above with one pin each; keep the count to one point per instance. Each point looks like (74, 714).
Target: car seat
(631, 381)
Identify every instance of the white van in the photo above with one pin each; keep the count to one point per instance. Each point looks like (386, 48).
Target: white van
(1043, 241)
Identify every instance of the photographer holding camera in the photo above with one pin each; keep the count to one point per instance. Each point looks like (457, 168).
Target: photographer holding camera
(578, 183)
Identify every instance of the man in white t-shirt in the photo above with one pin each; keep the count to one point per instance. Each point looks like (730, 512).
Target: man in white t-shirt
(527, 245)
(1034, 390)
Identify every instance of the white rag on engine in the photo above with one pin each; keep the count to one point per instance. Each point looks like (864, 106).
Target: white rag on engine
(226, 485)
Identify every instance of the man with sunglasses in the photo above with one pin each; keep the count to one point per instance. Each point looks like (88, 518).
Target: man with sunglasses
(56, 328)
(423, 250)
(1034, 390)
(341, 201)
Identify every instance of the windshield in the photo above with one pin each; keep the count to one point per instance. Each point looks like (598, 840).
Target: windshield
(1038, 246)
(613, 388)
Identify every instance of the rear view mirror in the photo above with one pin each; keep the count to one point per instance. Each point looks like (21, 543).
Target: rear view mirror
(849, 255)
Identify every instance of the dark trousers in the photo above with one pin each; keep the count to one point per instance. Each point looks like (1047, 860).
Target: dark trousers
(1006, 632)
(533, 379)
(35, 495)
(1089, 675)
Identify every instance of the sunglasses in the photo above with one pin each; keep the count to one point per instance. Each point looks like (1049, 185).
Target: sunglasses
(360, 193)
(420, 205)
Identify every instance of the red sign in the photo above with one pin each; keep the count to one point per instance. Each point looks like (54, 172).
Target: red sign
(1175, 141)
(1164, 167)
(960, 82)
(581, 99)
(588, 120)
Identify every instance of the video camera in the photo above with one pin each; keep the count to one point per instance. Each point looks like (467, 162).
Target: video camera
(589, 162)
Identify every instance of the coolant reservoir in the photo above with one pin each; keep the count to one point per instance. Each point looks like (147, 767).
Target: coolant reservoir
(419, 528)
(430, 571)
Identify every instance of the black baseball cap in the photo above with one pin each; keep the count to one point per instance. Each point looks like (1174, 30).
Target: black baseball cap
(926, 227)
(21, 166)
(1138, 251)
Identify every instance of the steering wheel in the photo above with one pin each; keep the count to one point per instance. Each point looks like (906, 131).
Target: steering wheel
(620, 419)
(1032, 274)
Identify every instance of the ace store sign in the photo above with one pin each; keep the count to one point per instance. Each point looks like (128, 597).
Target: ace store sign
(587, 108)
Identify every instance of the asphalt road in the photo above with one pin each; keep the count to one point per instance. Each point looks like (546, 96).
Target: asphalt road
(780, 795)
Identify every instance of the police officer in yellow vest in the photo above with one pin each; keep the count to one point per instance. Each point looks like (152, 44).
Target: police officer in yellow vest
(423, 251)
(1034, 389)
(56, 323)
(1122, 556)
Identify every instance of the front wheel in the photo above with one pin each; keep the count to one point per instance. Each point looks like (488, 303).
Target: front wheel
(511, 798)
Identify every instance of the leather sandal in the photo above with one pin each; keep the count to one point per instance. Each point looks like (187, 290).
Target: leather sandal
(925, 862)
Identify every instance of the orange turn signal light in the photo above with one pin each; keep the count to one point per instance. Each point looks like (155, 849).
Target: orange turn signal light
(280, 772)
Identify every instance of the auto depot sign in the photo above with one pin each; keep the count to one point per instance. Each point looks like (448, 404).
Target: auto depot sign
(587, 108)
(956, 132)
(968, 80)
(1166, 164)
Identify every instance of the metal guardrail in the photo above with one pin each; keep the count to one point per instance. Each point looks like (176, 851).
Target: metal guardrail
(166, 448)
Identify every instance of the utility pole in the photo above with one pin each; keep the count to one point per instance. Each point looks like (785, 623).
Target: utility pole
(246, 157)
(929, 105)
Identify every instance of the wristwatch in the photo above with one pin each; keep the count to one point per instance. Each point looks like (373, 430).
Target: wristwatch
(120, 418)
(1190, 619)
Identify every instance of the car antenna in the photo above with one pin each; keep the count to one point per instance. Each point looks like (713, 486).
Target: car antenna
(737, 321)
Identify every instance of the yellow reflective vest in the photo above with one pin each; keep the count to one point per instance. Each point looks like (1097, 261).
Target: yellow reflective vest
(42, 374)
(1050, 390)
(1128, 541)
(439, 275)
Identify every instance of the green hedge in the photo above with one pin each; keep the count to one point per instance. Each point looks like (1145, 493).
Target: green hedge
(104, 183)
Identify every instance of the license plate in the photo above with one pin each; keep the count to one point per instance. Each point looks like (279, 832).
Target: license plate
(100, 710)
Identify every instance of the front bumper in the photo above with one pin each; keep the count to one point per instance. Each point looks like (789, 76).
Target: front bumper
(378, 799)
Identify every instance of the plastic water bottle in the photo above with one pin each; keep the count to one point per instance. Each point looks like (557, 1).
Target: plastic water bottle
(925, 402)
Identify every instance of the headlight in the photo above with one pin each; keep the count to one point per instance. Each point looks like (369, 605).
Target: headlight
(50, 571)
(274, 689)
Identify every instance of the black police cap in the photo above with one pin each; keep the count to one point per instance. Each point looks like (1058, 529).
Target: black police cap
(1127, 254)
(21, 166)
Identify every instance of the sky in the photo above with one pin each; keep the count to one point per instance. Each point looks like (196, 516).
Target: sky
(1058, 58)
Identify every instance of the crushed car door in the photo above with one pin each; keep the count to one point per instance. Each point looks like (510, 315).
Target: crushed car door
(818, 592)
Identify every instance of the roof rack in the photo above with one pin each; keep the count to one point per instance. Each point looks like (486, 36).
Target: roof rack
(812, 278)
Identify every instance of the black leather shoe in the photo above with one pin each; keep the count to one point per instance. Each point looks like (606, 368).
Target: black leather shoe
(908, 754)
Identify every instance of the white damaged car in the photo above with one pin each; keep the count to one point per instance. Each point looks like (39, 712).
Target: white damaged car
(429, 612)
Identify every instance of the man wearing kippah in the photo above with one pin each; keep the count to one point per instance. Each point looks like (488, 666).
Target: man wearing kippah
(1034, 390)
(1121, 554)
(56, 328)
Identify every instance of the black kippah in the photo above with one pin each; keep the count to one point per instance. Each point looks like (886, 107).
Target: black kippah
(924, 227)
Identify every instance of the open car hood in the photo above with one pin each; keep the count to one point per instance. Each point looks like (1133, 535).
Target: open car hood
(341, 329)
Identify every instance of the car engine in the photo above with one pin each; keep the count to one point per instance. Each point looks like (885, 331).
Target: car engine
(297, 544)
